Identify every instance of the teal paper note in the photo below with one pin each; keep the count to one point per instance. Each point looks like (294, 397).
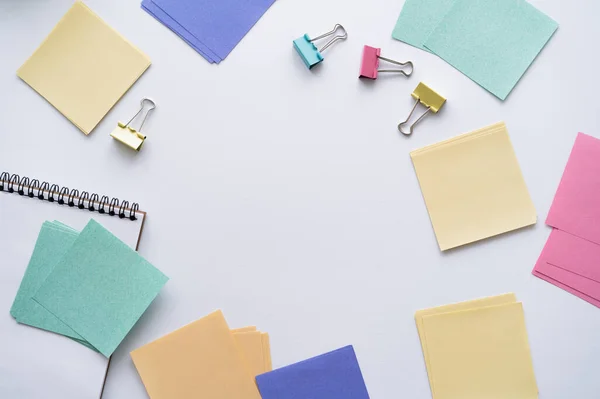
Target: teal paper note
(418, 19)
(492, 42)
(100, 288)
(52, 243)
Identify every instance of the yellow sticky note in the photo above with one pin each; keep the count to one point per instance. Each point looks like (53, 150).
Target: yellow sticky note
(266, 342)
(250, 344)
(83, 67)
(480, 353)
(473, 304)
(473, 187)
(200, 360)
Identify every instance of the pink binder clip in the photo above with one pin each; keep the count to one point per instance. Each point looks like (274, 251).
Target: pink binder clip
(370, 63)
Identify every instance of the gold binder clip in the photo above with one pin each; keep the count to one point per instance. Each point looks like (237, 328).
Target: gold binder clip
(128, 135)
(430, 100)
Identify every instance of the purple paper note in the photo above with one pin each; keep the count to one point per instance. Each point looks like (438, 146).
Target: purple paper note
(165, 19)
(333, 375)
(221, 24)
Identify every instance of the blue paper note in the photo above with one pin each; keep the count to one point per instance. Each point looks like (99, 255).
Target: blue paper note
(54, 240)
(492, 42)
(418, 19)
(100, 288)
(165, 19)
(334, 375)
(220, 25)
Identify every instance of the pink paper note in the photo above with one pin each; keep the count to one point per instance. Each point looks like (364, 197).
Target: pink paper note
(581, 295)
(576, 205)
(569, 252)
(578, 283)
(574, 254)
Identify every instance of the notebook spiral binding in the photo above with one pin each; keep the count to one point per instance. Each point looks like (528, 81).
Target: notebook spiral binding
(64, 196)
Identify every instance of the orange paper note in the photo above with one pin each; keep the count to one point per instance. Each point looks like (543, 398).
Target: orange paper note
(200, 360)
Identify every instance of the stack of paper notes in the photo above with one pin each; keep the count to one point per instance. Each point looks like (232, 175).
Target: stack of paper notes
(473, 187)
(477, 349)
(83, 67)
(492, 42)
(212, 28)
(204, 359)
(571, 258)
(89, 286)
(333, 375)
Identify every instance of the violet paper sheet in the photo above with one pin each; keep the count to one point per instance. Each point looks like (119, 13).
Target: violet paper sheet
(165, 19)
(220, 25)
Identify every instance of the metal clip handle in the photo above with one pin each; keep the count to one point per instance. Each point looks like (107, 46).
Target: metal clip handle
(409, 63)
(344, 36)
(142, 105)
(411, 127)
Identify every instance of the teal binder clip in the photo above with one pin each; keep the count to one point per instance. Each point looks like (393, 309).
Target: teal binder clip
(307, 50)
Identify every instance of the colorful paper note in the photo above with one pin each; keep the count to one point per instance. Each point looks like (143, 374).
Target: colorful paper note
(573, 254)
(492, 42)
(541, 265)
(473, 187)
(250, 344)
(218, 25)
(52, 243)
(570, 257)
(418, 19)
(244, 329)
(480, 353)
(200, 360)
(255, 347)
(160, 15)
(474, 304)
(575, 207)
(574, 262)
(100, 288)
(107, 65)
(334, 375)
(266, 343)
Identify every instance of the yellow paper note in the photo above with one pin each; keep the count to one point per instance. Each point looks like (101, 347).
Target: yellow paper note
(83, 67)
(473, 304)
(473, 187)
(250, 344)
(480, 353)
(200, 360)
(266, 343)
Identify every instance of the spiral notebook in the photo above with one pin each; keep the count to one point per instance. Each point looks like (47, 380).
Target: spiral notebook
(36, 363)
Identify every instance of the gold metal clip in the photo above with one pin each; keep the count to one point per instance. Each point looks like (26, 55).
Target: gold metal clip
(429, 99)
(128, 135)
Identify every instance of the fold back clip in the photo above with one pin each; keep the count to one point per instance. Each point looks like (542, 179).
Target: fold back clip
(309, 52)
(370, 63)
(129, 136)
(431, 100)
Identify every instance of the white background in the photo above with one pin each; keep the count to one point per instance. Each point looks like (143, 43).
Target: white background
(287, 198)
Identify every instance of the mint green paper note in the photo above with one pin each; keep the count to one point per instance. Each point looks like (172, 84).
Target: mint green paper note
(418, 19)
(100, 288)
(52, 243)
(492, 42)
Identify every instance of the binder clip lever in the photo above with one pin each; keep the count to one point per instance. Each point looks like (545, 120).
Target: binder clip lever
(309, 52)
(333, 39)
(425, 96)
(128, 135)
